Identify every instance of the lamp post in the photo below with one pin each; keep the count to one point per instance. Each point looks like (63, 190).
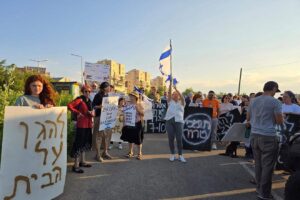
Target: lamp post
(81, 59)
(39, 61)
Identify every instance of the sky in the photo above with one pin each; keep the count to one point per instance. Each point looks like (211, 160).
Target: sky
(212, 39)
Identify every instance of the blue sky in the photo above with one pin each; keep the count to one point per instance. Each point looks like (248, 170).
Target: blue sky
(211, 39)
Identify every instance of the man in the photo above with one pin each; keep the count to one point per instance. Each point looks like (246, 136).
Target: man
(154, 95)
(231, 100)
(263, 114)
(94, 91)
(189, 99)
(212, 102)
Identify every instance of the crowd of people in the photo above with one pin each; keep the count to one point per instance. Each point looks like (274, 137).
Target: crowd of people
(260, 111)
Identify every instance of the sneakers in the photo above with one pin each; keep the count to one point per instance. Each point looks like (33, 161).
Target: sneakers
(110, 146)
(181, 159)
(172, 158)
(214, 146)
(120, 147)
(265, 198)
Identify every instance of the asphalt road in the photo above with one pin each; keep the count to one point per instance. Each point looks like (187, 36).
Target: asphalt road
(206, 175)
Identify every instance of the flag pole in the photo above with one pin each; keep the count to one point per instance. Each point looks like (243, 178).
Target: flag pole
(171, 68)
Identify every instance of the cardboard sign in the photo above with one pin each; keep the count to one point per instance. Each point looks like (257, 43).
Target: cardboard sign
(34, 153)
(129, 115)
(226, 120)
(237, 132)
(109, 113)
(94, 72)
(157, 124)
(197, 128)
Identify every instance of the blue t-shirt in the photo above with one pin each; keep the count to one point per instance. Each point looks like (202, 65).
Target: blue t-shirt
(262, 112)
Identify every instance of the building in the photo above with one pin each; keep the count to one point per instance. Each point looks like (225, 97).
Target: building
(137, 78)
(71, 88)
(60, 79)
(159, 82)
(35, 70)
(117, 74)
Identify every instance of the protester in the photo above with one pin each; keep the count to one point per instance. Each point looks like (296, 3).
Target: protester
(154, 95)
(164, 97)
(197, 100)
(189, 98)
(225, 106)
(174, 122)
(134, 134)
(290, 103)
(263, 114)
(100, 136)
(38, 93)
(82, 106)
(231, 100)
(211, 102)
(252, 95)
(119, 122)
(94, 91)
(244, 107)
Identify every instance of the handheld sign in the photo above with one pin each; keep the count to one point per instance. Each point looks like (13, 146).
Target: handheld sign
(129, 115)
(226, 120)
(96, 72)
(34, 153)
(237, 132)
(157, 124)
(197, 128)
(109, 113)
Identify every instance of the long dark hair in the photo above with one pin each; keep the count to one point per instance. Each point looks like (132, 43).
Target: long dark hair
(48, 95)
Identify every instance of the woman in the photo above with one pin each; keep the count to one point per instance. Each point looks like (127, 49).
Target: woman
(174, 122)
(225, 106)
(39, 93)
(197, 101)
(134, 134)
(82, 106)
(101, 137)
(290, 104)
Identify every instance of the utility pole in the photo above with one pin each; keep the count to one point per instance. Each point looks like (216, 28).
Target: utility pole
(240, 79)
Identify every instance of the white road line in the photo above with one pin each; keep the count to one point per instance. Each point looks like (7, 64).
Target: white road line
(251, 172)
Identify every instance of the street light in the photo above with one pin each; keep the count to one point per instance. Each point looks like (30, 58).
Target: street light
(81, 58)
(39, 61)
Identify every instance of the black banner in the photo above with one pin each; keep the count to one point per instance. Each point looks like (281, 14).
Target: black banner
(197, 128)
(290, 126)
(158, 124)
(226, 120)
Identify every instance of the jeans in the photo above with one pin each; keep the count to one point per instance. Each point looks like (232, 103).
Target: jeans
(174, 129)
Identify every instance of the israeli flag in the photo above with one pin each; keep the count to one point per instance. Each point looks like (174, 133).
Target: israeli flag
(164, 61)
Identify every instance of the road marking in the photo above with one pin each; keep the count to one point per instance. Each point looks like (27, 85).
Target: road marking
(251, 172)
(224, 194)
(234, 163)
(95, 176)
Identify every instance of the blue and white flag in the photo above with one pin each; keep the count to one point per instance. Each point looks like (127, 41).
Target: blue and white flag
(164, 61)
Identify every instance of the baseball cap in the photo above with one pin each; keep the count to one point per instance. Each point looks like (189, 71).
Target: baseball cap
(270, 85)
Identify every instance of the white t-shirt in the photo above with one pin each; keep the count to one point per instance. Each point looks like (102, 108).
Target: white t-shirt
(226, 107)
(293, 108)
(176, 110)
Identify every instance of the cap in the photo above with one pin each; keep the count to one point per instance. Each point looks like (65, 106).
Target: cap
(135, 94)
(270, 85)
(104, 85)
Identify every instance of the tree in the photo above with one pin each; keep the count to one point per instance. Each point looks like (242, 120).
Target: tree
(187, 91)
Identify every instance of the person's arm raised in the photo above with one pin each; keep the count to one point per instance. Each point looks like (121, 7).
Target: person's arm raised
(180, 95)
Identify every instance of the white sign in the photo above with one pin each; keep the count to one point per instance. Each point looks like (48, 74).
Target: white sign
(109, 113)
(129, 115)
(96, 72)
(147, 104)
(236, 133)
(34, 153)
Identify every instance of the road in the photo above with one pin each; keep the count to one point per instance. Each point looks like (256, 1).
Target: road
(206, 175)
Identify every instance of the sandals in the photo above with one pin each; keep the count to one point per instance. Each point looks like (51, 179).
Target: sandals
(139, 157)
(129, 155)
(83, 164)
(77, 170)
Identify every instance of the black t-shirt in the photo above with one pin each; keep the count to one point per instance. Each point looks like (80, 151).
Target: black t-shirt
(98, 101)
